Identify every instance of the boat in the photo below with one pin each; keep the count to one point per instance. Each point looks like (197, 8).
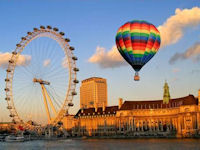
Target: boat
(13, 138)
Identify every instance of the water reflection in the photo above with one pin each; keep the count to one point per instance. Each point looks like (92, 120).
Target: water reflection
(106, 144)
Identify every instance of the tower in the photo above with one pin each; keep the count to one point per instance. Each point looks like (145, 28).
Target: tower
(93, 92)
(166, 94)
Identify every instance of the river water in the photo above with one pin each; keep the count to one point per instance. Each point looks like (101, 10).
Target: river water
(105, 144)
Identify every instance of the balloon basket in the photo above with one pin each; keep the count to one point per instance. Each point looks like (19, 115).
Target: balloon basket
(136, 77)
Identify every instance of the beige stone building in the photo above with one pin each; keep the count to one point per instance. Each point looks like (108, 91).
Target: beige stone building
(68, 122)
(5, 125)
(93, 92)
(179, 118)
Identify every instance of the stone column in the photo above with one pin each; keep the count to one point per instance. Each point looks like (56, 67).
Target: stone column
(145, 126)
(119, 123)
(161, 125)
(130, 125)
(179, 125)
(198, 121)
(170, 124)
(150, 125)
(137, 126)
(157, 125)
(142, 125)
(133, 124)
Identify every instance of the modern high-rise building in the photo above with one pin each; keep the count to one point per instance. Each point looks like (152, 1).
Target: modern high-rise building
(93, 93)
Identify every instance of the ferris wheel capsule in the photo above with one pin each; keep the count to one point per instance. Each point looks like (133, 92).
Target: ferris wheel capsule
(14, 53)
(76, 81)
(70, 104)
(7, 98)
(11, 61)
(35, 29)
(74, 58)
(12, 115)
(42, 27)
(18, 45)
(71, 48)
(49, 27)
(7, 80)
(76, 69)
(60, 123)
(23, 38)
(29, 33)
(62, 33)
(6, 89)
(74, 93)
(9, 107)
(55, 29)
(13, 121)
(8, 70)
(67, 39)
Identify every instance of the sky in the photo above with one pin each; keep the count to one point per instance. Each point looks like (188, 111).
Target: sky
(92, 25)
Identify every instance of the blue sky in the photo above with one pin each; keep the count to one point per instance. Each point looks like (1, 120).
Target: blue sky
(92, 23)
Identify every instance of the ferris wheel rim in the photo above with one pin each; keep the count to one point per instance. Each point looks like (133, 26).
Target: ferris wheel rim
(51, 33)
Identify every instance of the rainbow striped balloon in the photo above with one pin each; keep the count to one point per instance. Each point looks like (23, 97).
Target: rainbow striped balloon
(138, 41)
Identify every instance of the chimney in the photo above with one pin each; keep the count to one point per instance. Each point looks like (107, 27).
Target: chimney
(104, 106)
(95, 106)
(120, 103)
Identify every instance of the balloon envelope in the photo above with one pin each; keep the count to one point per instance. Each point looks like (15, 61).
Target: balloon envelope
(138, 41)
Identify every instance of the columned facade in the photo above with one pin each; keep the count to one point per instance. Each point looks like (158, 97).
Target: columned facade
(179, 118)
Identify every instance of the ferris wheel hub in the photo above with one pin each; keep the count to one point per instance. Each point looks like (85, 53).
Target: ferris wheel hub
(41, 81)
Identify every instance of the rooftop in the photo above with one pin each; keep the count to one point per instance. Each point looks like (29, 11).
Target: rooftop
(92, 78)
(177, 102)
(130, 105)
(91, 111)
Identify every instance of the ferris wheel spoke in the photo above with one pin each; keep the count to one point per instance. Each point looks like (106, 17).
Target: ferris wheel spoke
(45, 66)
(56, 99)
(23, 101)
(54, 66)
(55, 73)
(51, 53)
(25, 69)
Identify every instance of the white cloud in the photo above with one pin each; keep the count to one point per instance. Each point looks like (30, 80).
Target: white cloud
(171, 32)
(107, 59)
(191, 53)
(46, 62)
(23, 60)
(173, 28)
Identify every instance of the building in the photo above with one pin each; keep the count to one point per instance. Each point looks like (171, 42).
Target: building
(5, 125)
(93, 92)
(68, 122)
(179, 117)
(95, 121)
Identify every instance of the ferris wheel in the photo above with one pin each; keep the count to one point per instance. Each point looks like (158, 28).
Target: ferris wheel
(41, 78)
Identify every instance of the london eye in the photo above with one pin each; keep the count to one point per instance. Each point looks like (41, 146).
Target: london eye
(41, 78)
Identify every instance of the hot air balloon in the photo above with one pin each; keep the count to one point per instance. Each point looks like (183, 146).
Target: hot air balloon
(137, 42)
